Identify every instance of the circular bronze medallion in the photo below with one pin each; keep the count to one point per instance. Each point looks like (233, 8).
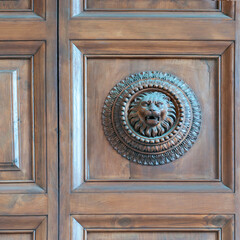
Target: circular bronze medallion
(151, 118)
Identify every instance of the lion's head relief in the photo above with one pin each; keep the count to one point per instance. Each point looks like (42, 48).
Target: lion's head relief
(152, 113)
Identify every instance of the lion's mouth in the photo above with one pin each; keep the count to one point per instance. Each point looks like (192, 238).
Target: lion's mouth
(152, 120)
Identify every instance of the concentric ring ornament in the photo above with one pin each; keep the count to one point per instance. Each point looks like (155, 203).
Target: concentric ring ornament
(151, 118)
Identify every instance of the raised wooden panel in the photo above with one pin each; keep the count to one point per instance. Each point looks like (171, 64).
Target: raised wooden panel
(13, 91)
(22, 124)
(200, 74)
(214, 9)
(161, 227)
(17, 235)
(151, 5)
(9, 124)
(23, 228)
(207, 68)
(22, 8)
(16, 5)
(153, 235)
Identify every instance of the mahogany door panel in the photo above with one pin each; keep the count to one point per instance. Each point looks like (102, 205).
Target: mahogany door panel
(23, 9)
(16, 5)
(108, 64)
(17, 236)
(119, 58)
(189, 227)
(10, 101)
(23, 228)
(146, 5)
(207, 7)
(152, 235)
(28, 120)
(23, 128)
(192, 166)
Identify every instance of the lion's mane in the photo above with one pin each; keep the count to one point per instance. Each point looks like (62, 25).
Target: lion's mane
(141, 127)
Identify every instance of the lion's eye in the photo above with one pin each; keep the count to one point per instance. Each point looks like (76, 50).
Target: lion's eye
(158, 104)
(144, 104)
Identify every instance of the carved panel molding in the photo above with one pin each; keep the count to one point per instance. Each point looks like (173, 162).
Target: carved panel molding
(151, 118)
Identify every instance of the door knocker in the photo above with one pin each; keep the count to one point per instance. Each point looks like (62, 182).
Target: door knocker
(151, 118)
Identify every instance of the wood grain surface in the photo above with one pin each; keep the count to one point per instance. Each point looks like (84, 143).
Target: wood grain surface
(103, 42)
(28, 120)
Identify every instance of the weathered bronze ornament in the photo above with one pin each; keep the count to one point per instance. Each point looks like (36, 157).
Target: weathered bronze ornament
(151, 118)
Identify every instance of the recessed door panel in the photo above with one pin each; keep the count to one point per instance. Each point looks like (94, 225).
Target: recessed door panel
(193, 8)
(23, 127)
(17, 236)
(198, 74)
(16, 5)
(153, 236)
(31, 9)
(102, 158)
(16, 119)
(151, 5)
(161, 227)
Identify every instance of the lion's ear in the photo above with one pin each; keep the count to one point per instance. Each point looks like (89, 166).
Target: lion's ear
(137, 99)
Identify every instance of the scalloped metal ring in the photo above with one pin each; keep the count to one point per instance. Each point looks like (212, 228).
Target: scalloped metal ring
(162, 148)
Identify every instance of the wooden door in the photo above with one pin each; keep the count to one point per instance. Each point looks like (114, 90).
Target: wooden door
(169, 174)
(28, 120)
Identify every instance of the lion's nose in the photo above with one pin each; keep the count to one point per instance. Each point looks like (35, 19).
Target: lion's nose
(152, 109)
